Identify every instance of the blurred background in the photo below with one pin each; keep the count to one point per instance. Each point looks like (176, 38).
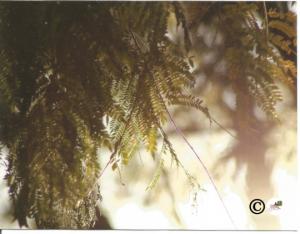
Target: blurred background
(258, 161)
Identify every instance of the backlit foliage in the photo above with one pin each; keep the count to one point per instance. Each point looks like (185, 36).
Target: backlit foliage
(75, 77)
(253, 50)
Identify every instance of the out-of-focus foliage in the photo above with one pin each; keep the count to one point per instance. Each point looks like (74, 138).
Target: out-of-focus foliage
(81, 76)
(255, 39)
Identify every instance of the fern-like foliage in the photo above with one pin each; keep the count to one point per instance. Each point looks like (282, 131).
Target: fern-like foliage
(81, 76)
(254, 62)
(255, 36)
(64, 69)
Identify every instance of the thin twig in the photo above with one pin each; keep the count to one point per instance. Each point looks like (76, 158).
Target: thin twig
(107, 164)
(222, 127)
(201, 162)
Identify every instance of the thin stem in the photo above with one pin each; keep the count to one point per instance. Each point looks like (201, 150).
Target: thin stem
(202, 164)
(222, 127)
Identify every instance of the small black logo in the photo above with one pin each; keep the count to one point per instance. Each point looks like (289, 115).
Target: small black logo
(257, 206)
(276, 206)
